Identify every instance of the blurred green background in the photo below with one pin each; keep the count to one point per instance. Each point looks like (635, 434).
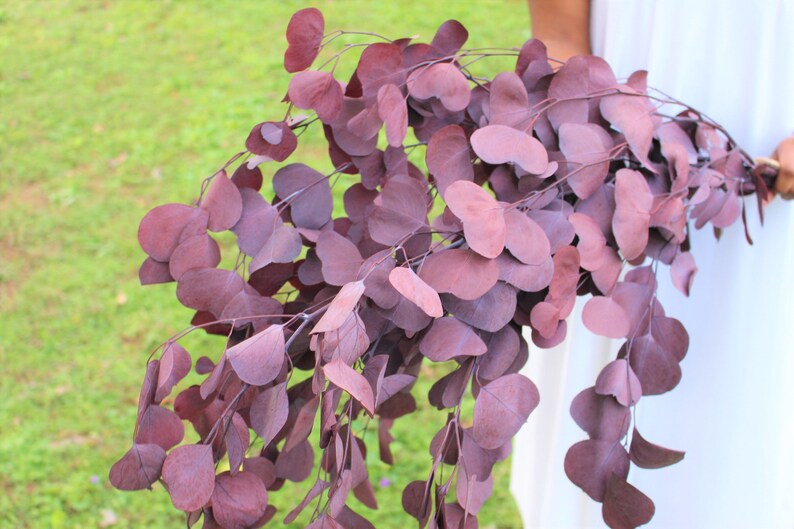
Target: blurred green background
(107, 109)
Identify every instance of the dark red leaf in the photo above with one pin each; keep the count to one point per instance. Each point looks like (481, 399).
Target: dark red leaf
(318, 91)
(237, 440)
(352, 382)
(238, 501)
(340, 258)
(160, 426)
(592, 242)
(245, 178)
(501, 409)
(450, 37)
(304, 35)
(269, 412)
(161, 228)
(258, 359)
(509, 104)
(472, 491)
(223, 202)
(153, 272)
(296, 465)
(442, 80)
(490, 313)
(308, 194)
(529, 278)
(590, 464)
(603, 316)
(189, 475)
(174, 366)
(618, 379)
(411, 286)
(600, 416)
(525, 239)
(683, 271)
(380, 64)
(581, 76)
(586, 148)
(645, 454)
(449, 338)
(631, 115)
(633, 202)
(199, 251)
(340, 308)
(208, 289)
(625, 507)
(139, 468)
(393, 111)
(463, 273)
(271, 139)
(401, 210)
(482, 217)
(283, 246)
(448, 157)
(497, 144)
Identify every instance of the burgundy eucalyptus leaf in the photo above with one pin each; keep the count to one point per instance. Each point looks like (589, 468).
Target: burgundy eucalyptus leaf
(199, 251)
(463, 273)
(161, 228)
(318, 91)
(590, 465)
(582, 76)
(633, 201)
(258, 359)
(160, 426)
(592, 243)
(449, 338)
(625, 507)
(645, 454)
(223, 203)
(618, 379)
(496, 144)
(529, 278)
(208, 289)
(683, 272)
(237, 440)
(340, 258)
(273, 140)
(401, 210)
(316, 489)
(600, 416)
(341, 307)
(483, 218)
(351, 381)
(296, 464)
(394, 113)
(139, 468)
(631, 115)
(450, 37)
(189, 475)
(245, 178)
(605, 317)
(509, 103)
(449, 157)
(269, 412)
(380, 64)
(442, 80)
(174, 366)
(239, 500)
(304, 35)
(586, 149)
(490, 313)
(153, 272)
(308, 194)
(411, 286)
(283, 246)
(502, 408)
(525, 239)
(471, 491)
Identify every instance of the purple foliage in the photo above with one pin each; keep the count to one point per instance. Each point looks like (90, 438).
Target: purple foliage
(542, 185)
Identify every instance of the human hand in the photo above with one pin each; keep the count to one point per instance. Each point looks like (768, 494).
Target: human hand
(784, 154)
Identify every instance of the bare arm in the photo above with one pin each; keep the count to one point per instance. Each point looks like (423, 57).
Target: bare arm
(563, 25)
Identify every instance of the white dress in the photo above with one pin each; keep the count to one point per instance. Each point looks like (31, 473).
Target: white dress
(733, 411)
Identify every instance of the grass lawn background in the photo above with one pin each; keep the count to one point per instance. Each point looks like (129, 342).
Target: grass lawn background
(107, 109)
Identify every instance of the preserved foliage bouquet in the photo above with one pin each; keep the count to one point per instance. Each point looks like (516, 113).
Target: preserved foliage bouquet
(540, 186)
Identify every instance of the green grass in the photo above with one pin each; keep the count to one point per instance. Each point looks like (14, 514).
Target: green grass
(108, 108)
